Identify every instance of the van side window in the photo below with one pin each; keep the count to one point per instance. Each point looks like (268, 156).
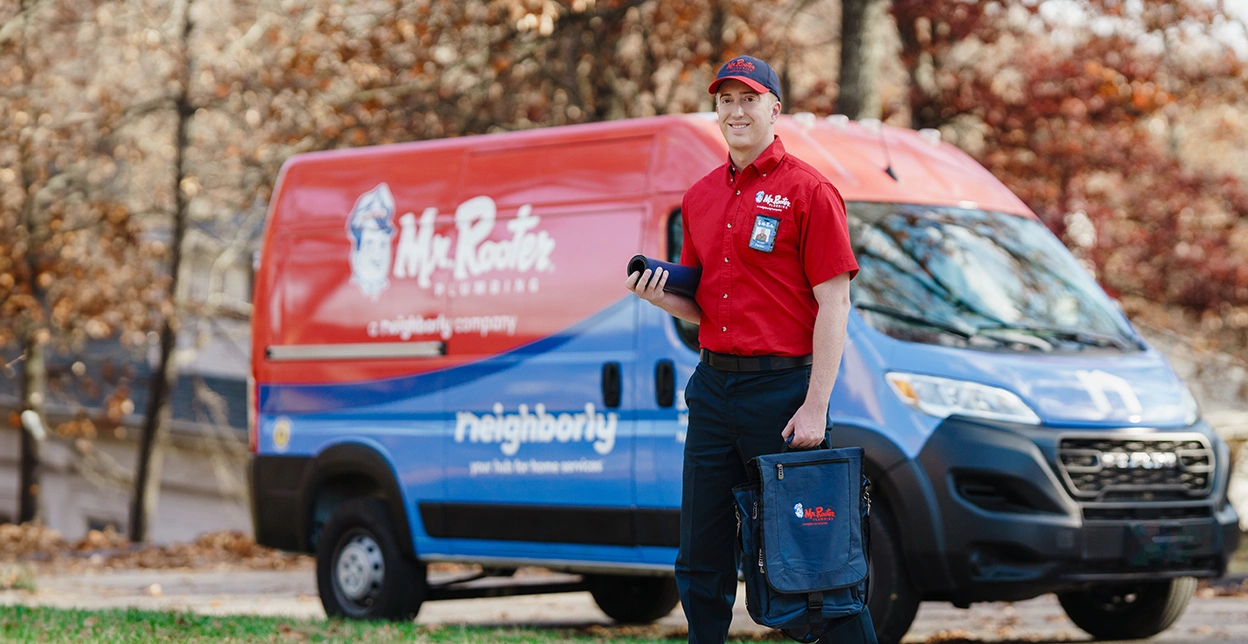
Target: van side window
(688, 331)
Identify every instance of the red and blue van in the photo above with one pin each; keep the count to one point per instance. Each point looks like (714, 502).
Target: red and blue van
(447, 368)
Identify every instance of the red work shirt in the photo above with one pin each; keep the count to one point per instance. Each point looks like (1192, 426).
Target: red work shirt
(763, 236)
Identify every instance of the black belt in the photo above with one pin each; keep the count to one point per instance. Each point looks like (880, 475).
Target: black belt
(728, 362)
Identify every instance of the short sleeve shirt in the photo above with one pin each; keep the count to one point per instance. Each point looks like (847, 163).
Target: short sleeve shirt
(763, 236)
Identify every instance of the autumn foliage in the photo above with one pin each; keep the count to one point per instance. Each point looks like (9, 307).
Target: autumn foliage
(1089, 120)
(1095, 113)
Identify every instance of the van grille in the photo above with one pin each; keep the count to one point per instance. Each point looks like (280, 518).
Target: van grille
(1139, 469)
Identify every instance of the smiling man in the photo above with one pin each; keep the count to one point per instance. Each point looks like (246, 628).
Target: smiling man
(770, 235)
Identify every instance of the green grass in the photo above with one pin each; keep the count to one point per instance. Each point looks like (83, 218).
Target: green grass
(51, 625)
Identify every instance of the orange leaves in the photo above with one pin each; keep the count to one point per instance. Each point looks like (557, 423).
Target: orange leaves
(1147, 97)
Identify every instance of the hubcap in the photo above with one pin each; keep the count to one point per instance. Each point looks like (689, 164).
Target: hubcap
(360, 568)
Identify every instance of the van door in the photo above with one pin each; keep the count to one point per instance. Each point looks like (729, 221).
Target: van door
(667, 355)
(542, 421)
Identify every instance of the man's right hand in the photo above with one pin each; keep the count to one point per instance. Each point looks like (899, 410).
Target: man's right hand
(650, 290)
(649, 287)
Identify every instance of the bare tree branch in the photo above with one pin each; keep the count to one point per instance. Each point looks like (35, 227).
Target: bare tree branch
(18, 23)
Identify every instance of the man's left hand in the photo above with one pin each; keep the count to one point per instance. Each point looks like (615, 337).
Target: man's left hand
(806, 428)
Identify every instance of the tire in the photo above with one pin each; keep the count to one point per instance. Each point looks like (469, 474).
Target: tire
(361, 571)
(891, 597)
(1128, 611)
(633, 600)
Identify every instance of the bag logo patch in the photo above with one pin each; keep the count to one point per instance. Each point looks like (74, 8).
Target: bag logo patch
(814, 516)
(763, 237)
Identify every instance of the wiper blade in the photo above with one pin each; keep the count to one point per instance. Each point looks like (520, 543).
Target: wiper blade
(916, 319)
(1089, 338)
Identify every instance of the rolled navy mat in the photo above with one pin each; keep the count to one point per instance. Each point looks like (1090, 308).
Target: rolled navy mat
(682, 280)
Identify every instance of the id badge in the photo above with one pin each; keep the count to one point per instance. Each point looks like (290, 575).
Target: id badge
(763, 237)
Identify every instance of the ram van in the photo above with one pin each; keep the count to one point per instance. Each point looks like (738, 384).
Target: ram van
(447, 367)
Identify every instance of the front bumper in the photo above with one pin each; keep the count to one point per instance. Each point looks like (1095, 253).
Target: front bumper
(1015, 526)
(276, 484)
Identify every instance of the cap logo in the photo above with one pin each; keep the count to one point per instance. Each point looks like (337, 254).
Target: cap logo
(740, 65)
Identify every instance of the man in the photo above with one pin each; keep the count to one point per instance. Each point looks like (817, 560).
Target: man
(770, 234)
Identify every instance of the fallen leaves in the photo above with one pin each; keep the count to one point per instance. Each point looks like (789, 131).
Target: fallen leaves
(1227, 587)
(18, 541)
(16, 578)
(38, 545)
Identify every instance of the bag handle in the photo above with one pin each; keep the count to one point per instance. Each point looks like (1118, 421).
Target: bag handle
(825, 444)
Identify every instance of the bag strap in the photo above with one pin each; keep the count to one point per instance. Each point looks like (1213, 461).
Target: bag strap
(866, 530)
(814, 614)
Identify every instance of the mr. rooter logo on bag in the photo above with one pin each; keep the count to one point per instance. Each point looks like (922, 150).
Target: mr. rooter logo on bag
(813, 516)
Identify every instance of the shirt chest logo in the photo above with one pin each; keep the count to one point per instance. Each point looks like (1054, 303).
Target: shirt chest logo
(763, 237)
(771, 202)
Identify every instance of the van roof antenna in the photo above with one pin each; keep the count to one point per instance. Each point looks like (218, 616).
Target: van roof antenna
(877, 127)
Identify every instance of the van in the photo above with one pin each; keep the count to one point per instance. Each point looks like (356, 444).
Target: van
(446, 367)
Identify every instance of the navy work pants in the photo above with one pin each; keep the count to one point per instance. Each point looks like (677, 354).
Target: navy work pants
(733, 417)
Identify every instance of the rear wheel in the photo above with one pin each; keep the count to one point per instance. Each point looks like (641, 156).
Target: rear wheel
(361, 571)
(891, 598)
(1128, 611)
(633, 600)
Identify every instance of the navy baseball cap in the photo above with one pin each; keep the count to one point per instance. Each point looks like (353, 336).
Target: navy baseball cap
(751, 71)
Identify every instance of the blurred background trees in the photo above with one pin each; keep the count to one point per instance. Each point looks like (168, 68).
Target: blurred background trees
(140, 140)
(1090, 112)
(73, 261)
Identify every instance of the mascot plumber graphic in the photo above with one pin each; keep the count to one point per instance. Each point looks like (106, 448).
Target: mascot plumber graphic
(371, 229)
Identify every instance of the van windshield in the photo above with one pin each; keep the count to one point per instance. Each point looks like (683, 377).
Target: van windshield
(977, 279)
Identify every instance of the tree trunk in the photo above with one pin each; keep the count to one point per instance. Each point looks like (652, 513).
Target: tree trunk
(155, 432)
(715, 33)
(34, 386)
(33, 334)
(856, 78)
(164, 379)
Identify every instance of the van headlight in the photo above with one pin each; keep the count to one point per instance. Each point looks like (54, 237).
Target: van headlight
(944, 397)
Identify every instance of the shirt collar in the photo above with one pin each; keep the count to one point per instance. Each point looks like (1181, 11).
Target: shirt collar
(766, 162)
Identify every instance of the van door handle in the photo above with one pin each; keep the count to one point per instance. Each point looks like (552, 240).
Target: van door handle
(611, 384)
(665, 383)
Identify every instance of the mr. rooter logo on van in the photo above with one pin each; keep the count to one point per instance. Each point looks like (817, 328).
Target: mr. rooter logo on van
(421, 251)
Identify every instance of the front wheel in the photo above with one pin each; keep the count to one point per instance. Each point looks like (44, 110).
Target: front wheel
(633, 600)
(1128, 611)
(361, 572)
(891, 598)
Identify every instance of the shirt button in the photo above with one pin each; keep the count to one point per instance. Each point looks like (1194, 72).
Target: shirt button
(738, 192)
(764, 174)
(725, 260)
(730, 225)
(723, 329)
(725, 296)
